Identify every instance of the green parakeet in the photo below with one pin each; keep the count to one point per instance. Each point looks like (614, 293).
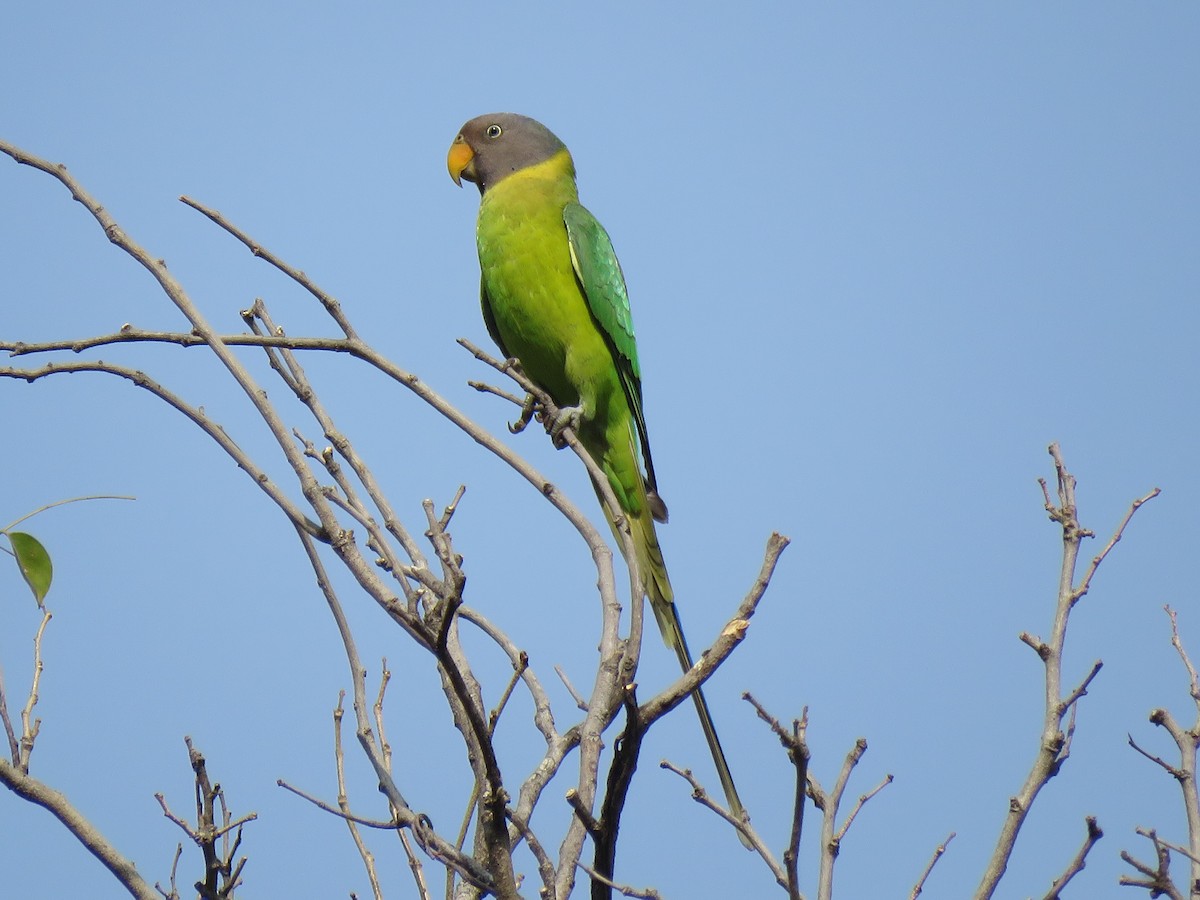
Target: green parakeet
(554, 297)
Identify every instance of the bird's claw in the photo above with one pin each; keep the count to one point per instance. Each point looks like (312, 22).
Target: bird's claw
(527, 410)
(568, 417)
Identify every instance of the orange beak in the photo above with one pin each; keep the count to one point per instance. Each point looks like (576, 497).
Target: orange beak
(461, 161)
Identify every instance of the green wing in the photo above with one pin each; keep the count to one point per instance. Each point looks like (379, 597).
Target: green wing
(599, 273)
(489, 317)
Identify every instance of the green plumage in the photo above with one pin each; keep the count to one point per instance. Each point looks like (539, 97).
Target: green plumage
(554, 297)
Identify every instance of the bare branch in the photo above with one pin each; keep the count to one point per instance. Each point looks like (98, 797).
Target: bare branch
(414, 861)
(623, 889)
(938, 853)
(14, 748)
(1072, 698)
(498, 709)
(828, 804)
(1112, 542)
(429, 840)
(29, 725)
(730, 637)
(795, 742)
(331, 305)
(462, 691)
(197, 415)
(305, 393)
(1094, 833)
(699, 794)
(1182, 851)
(130, 334)
(862, 800)
(1170, 769)
(1177, 643)
(34, 791)
(497, 392)
(1186, 741)
(616, 789)
(56, 503)
(173, 894)
(1157, 878)
(338, 810)
(544, 863)
(575, 695)
(343, 807)
(583, 813)
(1055, 743)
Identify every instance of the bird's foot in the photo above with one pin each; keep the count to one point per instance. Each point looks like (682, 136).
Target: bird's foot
(568, 417)
(527, 410)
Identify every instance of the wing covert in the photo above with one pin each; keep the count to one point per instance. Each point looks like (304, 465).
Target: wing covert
(599, 275)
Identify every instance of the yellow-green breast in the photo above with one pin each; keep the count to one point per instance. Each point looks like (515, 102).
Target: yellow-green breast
(539, 310)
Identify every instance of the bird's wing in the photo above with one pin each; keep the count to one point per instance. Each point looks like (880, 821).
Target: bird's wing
(599, 274)
(489, 317)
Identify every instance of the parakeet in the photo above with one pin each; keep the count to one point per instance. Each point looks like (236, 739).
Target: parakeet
(554, 297)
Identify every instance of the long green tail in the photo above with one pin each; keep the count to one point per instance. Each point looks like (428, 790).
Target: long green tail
(662, 600)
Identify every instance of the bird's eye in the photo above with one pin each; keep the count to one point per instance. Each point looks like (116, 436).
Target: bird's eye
(494, 131)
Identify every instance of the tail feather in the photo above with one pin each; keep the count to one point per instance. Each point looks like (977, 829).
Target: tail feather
(662, 601)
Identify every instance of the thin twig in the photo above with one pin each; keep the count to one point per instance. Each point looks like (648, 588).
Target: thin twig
(334, 810)
(343, 801)
(731, 636)
(42, 509)
(1094, 833)
(1170, 769)
(1157, 878)
(1182, 851)
(434, 843)
(699, 794)
(414, 861)
(485, 388)
(195, 413)
(544, 863)
(174, 892)
(14, 749)
(1086, 583)
(327, 300)
(938, 853)
(795, 742)
(1185, 773)
(575, 695)
(862, 800)
(29, 725)
(1177, 643)
(623, 889)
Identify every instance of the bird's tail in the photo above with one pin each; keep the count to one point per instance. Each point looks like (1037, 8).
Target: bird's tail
(653, 570)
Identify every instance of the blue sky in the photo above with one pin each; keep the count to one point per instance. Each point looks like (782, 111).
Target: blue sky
(879, 255)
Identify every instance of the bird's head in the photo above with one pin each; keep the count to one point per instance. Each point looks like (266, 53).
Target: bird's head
(490, 148)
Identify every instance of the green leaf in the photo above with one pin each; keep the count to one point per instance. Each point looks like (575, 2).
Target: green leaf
(34, 562)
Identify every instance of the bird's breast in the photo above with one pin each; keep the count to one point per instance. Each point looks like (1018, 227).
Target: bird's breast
(537, 305)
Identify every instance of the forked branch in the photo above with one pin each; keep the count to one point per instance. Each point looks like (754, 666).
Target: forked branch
(1157, 878)
(1054, 742)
